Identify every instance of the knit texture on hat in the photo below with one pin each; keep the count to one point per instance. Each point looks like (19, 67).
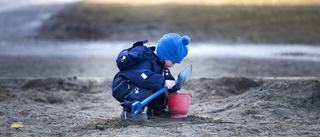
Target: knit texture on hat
(173, 47)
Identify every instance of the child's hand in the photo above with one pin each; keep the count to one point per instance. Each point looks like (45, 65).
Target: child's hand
(169, 84)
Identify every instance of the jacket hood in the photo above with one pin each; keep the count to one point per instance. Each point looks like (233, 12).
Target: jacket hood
(137, 53)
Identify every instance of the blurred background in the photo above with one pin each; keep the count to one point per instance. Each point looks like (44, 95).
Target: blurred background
(223, 21)
(229, 38)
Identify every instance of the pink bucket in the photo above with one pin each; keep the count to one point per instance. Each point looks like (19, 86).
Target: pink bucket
(179, 105)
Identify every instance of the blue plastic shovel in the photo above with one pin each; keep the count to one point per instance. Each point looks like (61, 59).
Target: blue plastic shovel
(183, 77)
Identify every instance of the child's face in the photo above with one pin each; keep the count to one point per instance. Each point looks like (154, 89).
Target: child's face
(169, 64)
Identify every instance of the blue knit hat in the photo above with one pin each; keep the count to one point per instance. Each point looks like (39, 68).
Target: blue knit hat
(173, 47)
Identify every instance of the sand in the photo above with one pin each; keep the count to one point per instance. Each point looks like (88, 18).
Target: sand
(226, 106)
(70, 95)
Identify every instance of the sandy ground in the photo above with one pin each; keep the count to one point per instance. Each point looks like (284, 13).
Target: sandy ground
(221, 106)
(55, 92)
(70, 95)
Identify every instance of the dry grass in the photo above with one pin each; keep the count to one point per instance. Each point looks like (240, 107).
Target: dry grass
(211, 2)
(250, 22)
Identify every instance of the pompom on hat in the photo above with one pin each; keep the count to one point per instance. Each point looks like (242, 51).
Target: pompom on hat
(173, 47)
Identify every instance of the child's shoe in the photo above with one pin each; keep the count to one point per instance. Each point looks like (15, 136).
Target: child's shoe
(138, 117)
(163, 113)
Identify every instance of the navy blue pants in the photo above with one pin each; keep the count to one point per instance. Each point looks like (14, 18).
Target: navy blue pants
(127, 93)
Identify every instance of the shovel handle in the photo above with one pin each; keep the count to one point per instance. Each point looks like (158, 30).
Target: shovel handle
(136, 106)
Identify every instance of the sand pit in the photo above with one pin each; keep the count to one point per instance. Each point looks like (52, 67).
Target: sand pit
(221, 106)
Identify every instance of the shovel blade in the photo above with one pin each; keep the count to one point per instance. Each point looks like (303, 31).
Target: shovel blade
(185, 75)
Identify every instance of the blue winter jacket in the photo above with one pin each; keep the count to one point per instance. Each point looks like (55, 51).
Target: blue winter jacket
(139, 65)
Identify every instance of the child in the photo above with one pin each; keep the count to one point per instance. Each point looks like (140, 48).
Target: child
(142, 72)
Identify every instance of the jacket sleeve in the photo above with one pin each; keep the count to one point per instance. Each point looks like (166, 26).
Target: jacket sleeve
(168, 76)
(142, 75)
